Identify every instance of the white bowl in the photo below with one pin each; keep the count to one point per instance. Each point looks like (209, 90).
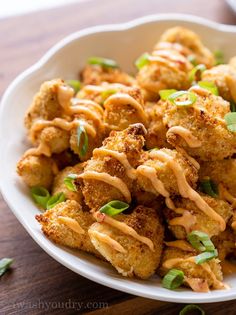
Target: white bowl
(124, 43)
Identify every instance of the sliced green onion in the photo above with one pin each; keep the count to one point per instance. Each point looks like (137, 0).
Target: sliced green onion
(200, 241)
(191, 98)
(219, 57)
(114, 207)
(164, 94)
(230, 119)
(142, 61)
(5, 264)
(173, 279)
(104, 62)
(83, 148)
(192, 59)
(203, 257)
(40, 196)
(196, 72)
(209, 187)
(75, 84)
(69, 182)
(107, 93)
(54, 200)
(210, 86)
(190, 308)
(232, 106)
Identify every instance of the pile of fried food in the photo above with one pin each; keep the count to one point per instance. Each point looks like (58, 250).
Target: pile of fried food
(140, 171)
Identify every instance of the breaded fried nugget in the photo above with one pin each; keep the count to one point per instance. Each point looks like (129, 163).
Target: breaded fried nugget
(136, 258)
(203, 123)
(222, 171)
(224, 77)
(96, 74)
(67, 224)
(45, 104)
(124, 108)
(191, 44)
(193, 218)
(59, 185)
(114, 183)
(36, 170)
(206, 275)
(164, 173)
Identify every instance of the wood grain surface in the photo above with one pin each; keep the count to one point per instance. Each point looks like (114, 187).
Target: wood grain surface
(37, 284)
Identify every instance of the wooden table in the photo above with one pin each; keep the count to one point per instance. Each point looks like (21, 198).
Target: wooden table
(38, 284)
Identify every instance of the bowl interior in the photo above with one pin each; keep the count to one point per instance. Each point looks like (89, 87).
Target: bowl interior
(124, 43)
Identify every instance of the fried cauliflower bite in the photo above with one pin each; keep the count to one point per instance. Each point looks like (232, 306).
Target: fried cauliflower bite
(59, 231)
(156, 130)
(199, 277)
(59, 185)
(124, 108)
(136, 258)
(46, 104)
(164, 72)
(96, 74)
(191, 44)
(221, 172)
(129, 143)
(224, 77)
(165, 174)
(36, 170)
(225, 243)
(192, 218)
(204, 120)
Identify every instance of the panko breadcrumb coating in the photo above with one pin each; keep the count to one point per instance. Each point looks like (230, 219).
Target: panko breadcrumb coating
(60, 233)
(201, 221)
(138, 260)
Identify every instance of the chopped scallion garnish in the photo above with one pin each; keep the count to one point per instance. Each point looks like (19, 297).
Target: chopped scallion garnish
(75, 84)
(5, 264)
(40, 196)
(232, 106)
(189, 98)
(107, 93)
(69, 182)
(230, 119)
(54, 200)
(203, 257)
(173, 279)
(83, 148)
(142, 61)
(192, 59)
(210, 86)
(209, 187)
(190, 309)
(164, 94)
(114, 207)
(201, 241)
(196, 72)
(219, 57)
(103, 62)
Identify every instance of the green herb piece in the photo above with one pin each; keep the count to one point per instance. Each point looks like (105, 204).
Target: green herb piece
(209, 187)
(40, 196)
(69, 182)
(75, 84)
(203, 257)
(5, 264)
(83, 148)
(232, 106)
(107, 93)
(192, 59)
(201, 241)
(54, 200)
(230, 119)
(190, 98)
(114, 207)
(210, 86)
(196, 72)
(142, 61)
(173, 279)
(190, 308)
(103, 62)
(219, 57)
(164, 94)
